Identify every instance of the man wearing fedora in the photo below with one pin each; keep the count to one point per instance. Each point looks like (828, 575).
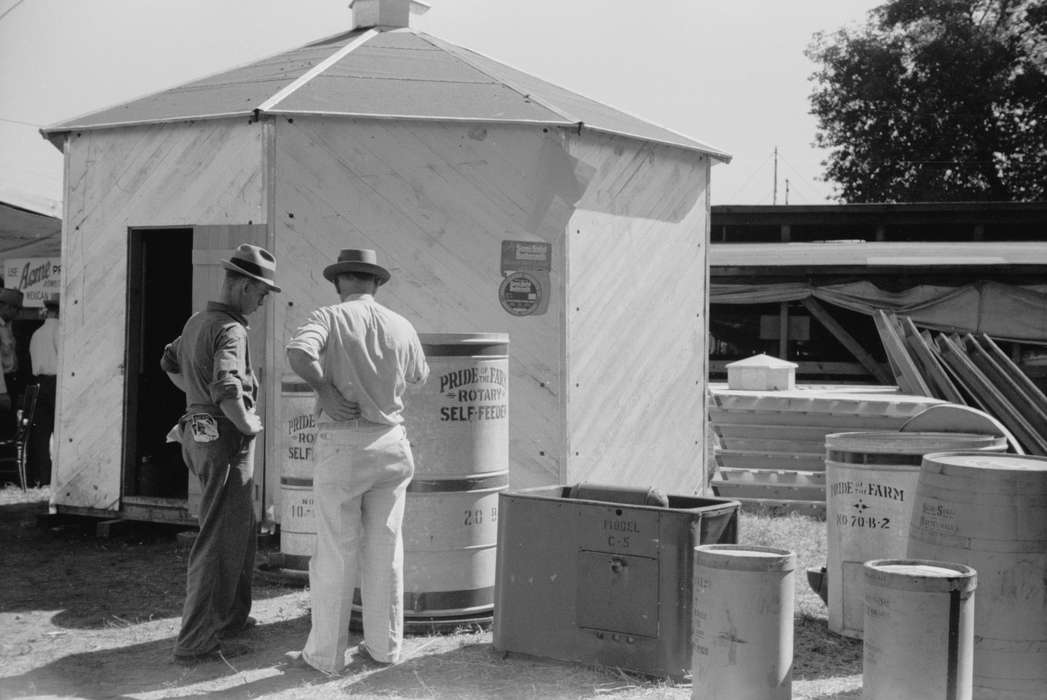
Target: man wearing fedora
(358, 356)
(10, 305)
(43, 356)
(211, 362)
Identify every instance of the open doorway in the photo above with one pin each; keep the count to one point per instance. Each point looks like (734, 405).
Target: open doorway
(160, 299)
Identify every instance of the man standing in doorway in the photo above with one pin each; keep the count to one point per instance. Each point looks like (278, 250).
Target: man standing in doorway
(43, 355)
(211, 362)
(10, 305)
(358, 356)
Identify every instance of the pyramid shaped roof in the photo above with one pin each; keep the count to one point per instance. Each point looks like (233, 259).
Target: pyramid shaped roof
(391, 74)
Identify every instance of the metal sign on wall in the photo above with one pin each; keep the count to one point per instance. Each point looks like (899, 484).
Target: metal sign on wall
(34, 277)
(524, 290)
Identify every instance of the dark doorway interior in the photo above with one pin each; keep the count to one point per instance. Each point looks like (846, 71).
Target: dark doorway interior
(160, 291)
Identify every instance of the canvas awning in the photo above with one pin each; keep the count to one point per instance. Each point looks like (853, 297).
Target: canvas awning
(1005, 312)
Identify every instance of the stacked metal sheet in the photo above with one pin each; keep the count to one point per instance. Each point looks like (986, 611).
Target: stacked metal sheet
(769, 447)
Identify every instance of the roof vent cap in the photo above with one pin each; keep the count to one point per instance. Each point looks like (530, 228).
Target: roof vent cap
(387, 14)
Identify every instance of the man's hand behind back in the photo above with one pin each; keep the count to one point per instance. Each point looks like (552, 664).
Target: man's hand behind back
(336, 406)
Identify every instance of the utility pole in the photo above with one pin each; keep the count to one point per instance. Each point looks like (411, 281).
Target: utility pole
(787, 190)
(774, 195)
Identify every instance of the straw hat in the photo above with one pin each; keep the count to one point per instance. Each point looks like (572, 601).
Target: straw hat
(254, 262)
(357, 260)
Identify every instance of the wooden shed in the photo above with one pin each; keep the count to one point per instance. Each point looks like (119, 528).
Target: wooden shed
(500, 202)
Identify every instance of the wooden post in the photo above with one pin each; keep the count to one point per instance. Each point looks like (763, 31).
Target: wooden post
(847, 340)
(783, 336)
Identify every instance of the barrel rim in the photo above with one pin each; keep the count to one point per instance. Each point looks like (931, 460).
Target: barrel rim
(934, 459)
(463, 337)
(965, 580)
(726, 556)
(909, 443)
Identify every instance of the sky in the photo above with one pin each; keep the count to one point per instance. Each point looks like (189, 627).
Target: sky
(730, 73)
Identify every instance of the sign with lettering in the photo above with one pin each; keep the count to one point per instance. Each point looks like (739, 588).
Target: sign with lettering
(474, 394)
(523, 294)
(534, 256)
(524, 290)
(868, 504)
(34, 277)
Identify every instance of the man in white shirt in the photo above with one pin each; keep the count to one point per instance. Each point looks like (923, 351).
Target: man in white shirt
(43, 355)
(358, 356)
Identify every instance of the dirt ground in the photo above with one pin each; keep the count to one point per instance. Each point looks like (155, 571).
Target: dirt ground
(89, 617)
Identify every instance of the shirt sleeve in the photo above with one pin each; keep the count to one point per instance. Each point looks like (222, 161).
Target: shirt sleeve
(169, 360)
(229, 364)
(311, 336)
(417, 366)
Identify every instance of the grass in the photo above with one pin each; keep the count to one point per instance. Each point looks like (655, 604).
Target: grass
(136, 631)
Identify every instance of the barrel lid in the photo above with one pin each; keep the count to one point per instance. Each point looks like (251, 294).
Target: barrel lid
(463, 338)
(916, 569)
(745, 557)
(984, 461)
(910, 443)
(922, 574)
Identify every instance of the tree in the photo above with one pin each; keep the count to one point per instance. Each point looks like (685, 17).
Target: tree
(935, 100)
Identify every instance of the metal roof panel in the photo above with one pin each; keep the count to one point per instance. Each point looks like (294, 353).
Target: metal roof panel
(576, 107)
(421, 99)
(393, 74)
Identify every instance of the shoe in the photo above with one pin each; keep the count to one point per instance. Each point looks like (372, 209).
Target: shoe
(366, 655)
(219, 653)
(296, 661)
(247, 625)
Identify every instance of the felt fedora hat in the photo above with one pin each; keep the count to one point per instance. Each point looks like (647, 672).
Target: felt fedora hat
(357, 260)
(11, 296)
(254, 262)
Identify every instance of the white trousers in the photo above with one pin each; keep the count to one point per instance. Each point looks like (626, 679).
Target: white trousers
(359, 488)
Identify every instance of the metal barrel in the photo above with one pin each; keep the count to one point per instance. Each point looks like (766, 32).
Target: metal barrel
(458, 425)
(870, 481)
(989, 511)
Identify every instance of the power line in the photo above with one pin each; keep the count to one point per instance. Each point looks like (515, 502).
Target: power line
(15, 121)
(759, 169)
(8, 10)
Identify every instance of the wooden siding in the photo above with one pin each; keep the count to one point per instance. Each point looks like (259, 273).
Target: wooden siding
(636, 300)
(435, 202)
(172, 175)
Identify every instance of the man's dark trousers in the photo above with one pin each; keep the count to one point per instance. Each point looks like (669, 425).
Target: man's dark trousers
(221, 562)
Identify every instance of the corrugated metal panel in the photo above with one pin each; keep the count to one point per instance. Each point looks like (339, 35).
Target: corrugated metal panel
(395, 74)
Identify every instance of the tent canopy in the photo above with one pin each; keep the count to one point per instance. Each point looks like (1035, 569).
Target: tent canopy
(1005, 312)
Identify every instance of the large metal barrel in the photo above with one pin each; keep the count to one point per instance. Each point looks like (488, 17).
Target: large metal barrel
(989, 511)
(458, 425)
(870, 483)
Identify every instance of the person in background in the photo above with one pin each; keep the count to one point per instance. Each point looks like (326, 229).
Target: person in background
(43, 355)
(211, 362)
(358, 356)
(10, 305)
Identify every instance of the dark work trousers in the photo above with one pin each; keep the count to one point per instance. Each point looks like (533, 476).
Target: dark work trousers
(221, 562)
(39, 458)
